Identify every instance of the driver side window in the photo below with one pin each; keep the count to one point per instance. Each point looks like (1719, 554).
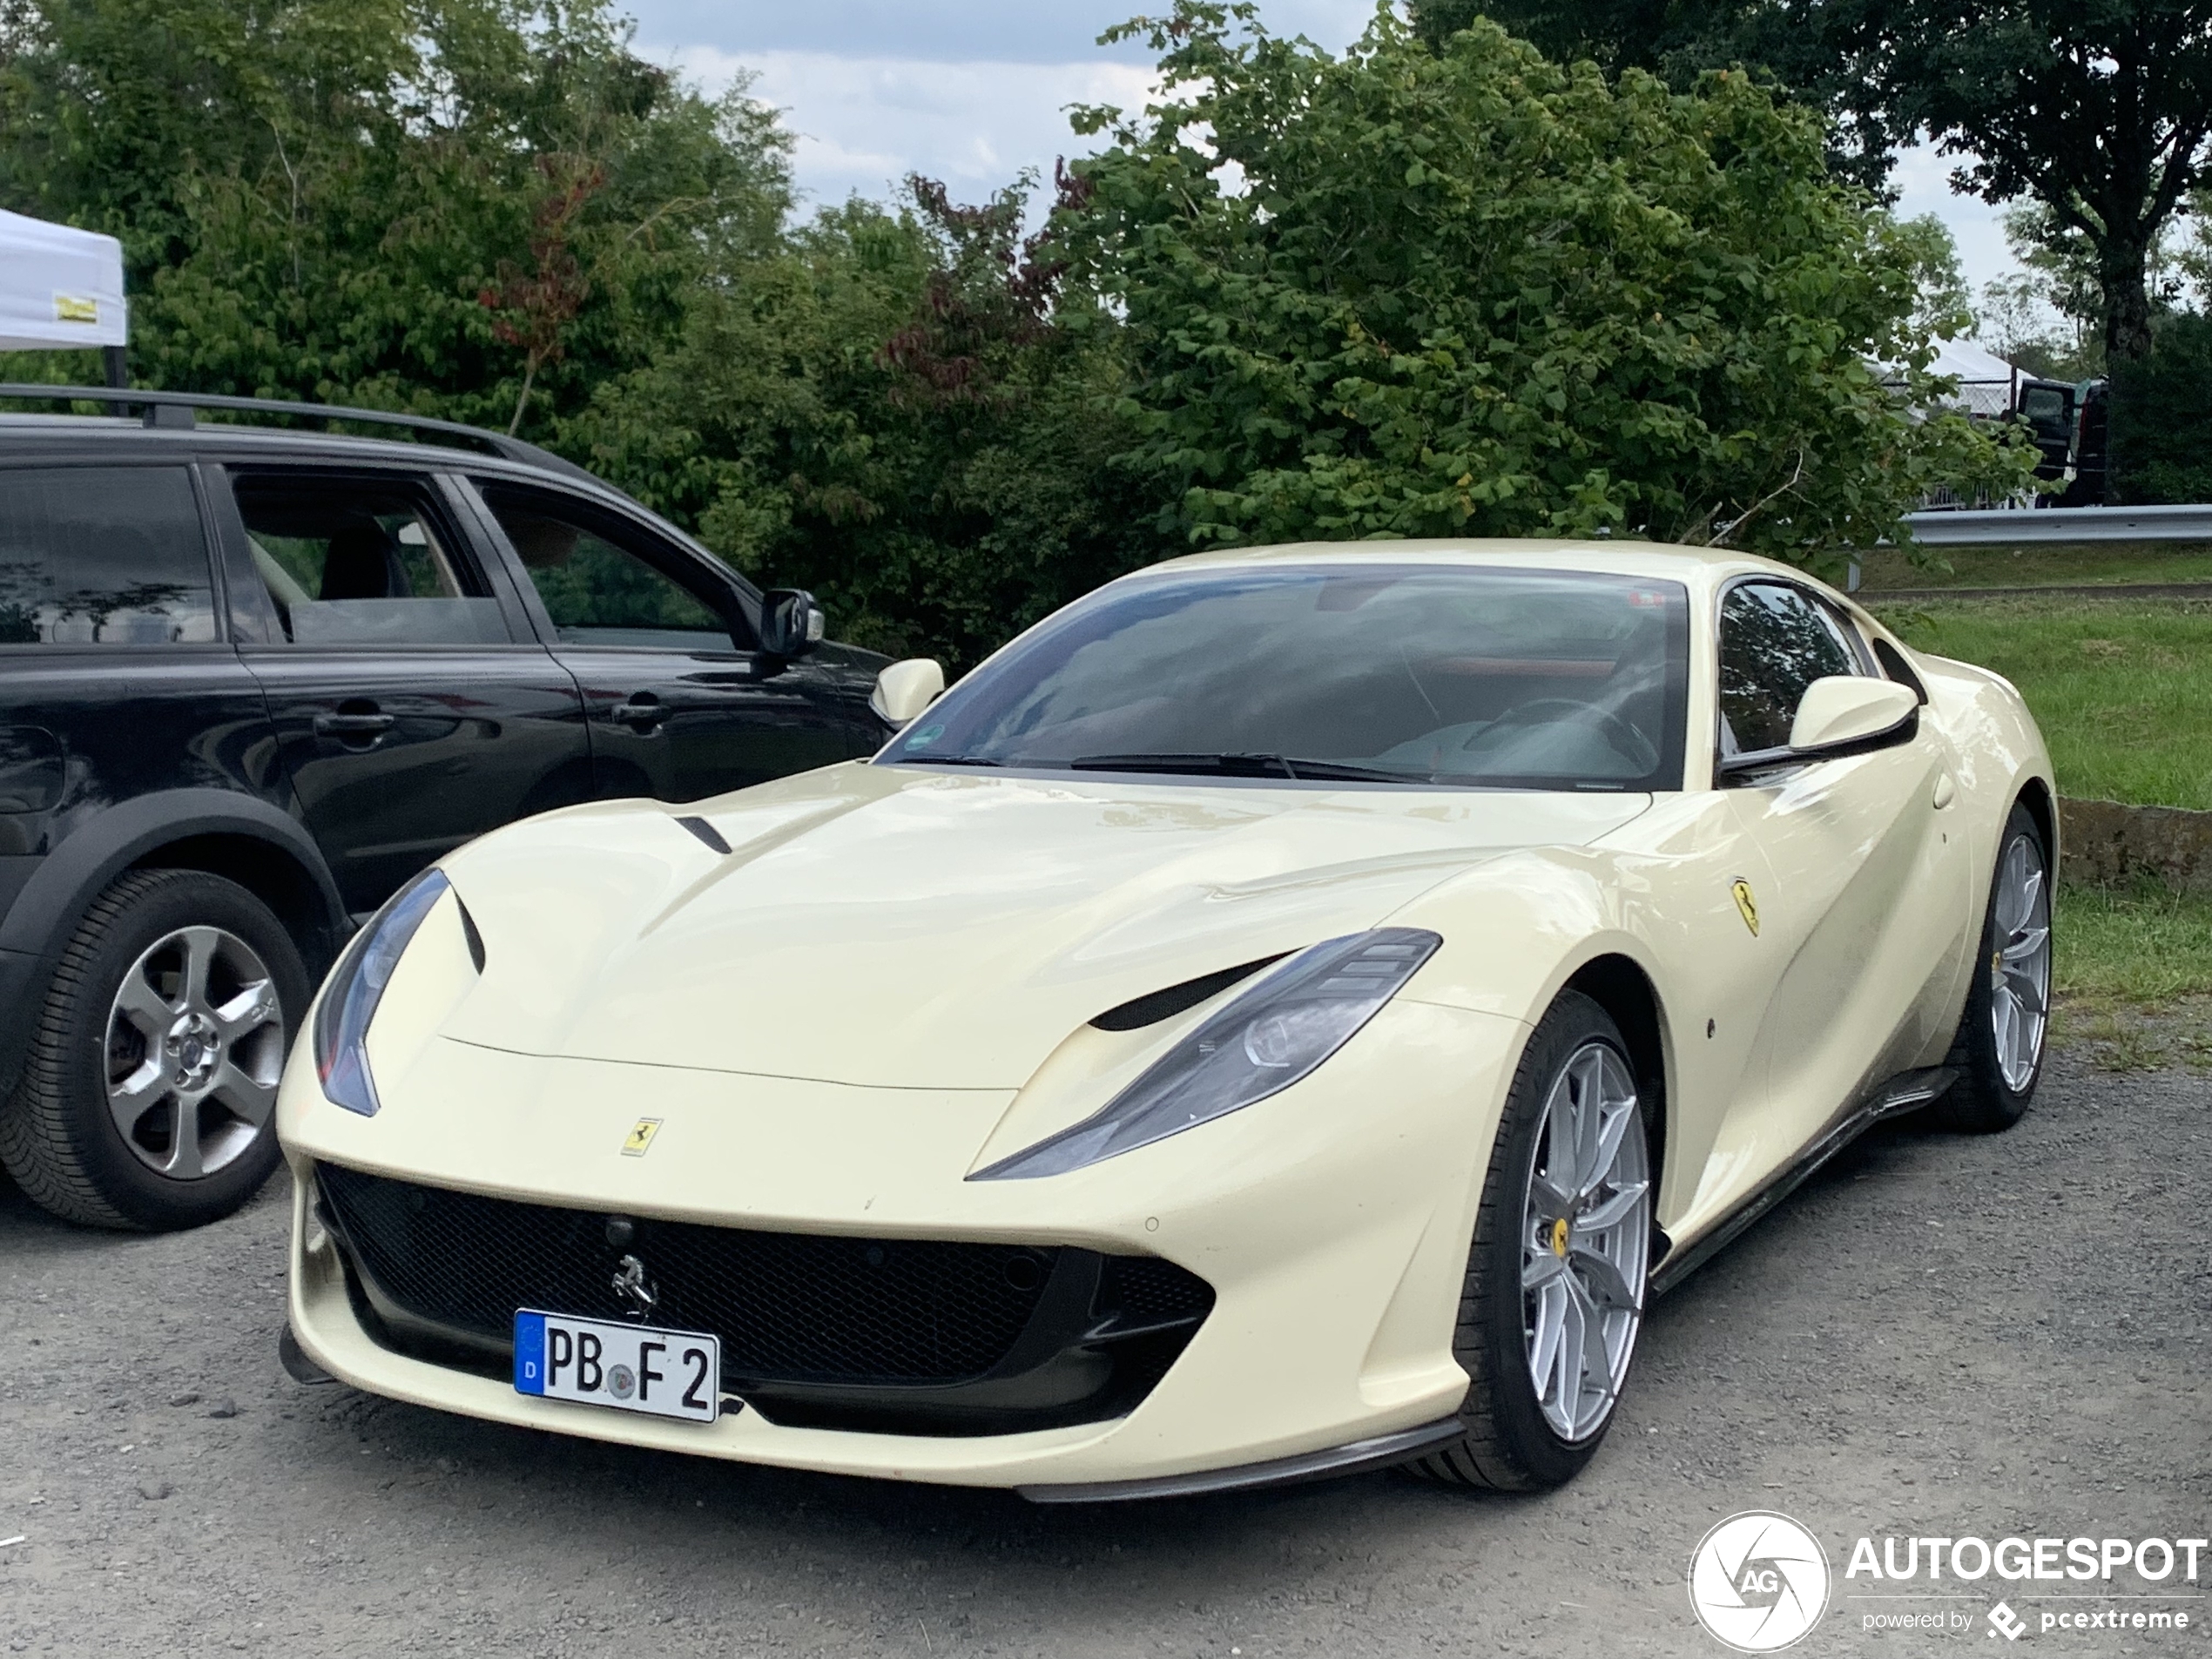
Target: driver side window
(595, 589)
(1774, 643)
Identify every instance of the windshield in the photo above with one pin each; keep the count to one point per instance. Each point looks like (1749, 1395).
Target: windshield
(1498, 678)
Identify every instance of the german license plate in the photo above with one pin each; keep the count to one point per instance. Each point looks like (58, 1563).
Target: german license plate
(630, 1367)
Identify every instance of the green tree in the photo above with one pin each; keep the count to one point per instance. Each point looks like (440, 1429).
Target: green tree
(379, 201)
(1681, 41)
(2162, 418)
(2098, 113)
(1466, 291)
(901, 411)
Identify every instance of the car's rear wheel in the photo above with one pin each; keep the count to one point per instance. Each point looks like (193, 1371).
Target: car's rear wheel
(149, 1100)
(1554, 1297)
(1999, 1050)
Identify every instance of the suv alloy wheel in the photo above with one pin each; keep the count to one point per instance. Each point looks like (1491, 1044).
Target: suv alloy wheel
(149, 1097)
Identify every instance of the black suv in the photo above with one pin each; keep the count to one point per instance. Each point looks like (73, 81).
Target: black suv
(252, 679)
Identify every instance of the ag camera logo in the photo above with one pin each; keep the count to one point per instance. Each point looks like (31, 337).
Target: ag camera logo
(1758, 1582)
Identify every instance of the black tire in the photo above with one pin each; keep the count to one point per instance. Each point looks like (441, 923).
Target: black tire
(1983, 1102)
(1508, 1445)
(57, 1137)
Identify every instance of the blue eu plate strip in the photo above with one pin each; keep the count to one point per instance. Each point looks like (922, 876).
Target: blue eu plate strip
(530, 1353)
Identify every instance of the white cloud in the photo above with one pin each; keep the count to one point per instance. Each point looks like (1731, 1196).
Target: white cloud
(863, 124)
(1923, 181)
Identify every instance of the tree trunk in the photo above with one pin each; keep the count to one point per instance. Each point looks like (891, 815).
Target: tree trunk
(2122, 268)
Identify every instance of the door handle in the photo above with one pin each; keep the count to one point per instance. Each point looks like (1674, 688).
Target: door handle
(352, 725)
(645, 712)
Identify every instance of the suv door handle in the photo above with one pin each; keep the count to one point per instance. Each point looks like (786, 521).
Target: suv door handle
(643, 711)
(352, 725)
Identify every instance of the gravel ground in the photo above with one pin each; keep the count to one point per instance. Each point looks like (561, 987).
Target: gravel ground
(1939, 1336)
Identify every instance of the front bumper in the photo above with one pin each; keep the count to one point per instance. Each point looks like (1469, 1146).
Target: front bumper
(1331, 1223)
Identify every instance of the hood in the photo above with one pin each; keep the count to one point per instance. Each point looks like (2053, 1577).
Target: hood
(897, 927)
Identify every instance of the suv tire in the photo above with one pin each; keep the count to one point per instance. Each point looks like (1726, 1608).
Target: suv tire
(148, 1098)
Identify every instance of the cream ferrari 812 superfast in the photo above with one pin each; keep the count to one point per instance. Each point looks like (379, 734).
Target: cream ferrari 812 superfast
(1288, 1012)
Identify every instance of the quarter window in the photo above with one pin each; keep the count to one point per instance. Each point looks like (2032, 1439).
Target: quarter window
(103, 556)
(1774, 643)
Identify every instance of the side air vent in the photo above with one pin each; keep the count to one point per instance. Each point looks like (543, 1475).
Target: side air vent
(1155, 1006)
(706, 833)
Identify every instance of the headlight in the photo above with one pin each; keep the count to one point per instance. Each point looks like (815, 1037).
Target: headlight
(356, 986)
(1258, 1045)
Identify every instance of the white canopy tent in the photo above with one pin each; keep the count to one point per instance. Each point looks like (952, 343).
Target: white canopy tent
(60, 288)
(1988, 385)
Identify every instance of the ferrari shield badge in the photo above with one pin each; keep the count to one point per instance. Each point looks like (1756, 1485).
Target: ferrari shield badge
(640, 1138)
(1746, 906)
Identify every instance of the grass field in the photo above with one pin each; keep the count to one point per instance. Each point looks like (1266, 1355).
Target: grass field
(2123, 688)
(2143, 948)
(2007, 566)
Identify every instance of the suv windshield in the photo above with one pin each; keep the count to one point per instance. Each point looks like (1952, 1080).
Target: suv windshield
(1499, 678)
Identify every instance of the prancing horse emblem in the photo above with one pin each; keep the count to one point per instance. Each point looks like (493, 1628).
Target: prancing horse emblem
(1746, 906)
(635, 1288)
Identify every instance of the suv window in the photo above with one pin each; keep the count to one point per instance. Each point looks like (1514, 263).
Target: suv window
(598, 584)
(103, 556)
(361, 562)
(1775, 642)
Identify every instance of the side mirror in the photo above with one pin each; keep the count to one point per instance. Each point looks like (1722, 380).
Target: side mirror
(1849, 712)
(904, 690)
(1840, 715)
(791, 623)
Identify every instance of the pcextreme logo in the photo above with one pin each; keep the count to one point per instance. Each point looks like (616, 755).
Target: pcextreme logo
(1758, 1582)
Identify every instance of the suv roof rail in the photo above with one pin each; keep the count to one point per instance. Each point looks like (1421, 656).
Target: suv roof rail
(159, 407)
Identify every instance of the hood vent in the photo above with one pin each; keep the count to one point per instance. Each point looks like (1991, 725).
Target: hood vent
(705, 831)
(468, 932)
(1155, 1006)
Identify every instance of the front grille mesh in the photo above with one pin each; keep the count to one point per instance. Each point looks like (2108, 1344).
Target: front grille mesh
(1145, 1289)
(787, 1306)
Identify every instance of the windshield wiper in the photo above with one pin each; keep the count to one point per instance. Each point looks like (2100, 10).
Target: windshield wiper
(1245, 766)
(952, 760)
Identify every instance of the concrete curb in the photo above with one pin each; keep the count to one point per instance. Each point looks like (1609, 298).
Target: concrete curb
(2106, 843)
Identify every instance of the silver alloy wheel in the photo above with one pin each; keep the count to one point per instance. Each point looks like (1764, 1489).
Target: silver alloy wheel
(1586, 1239)
(194, 1050)
(2020, 961)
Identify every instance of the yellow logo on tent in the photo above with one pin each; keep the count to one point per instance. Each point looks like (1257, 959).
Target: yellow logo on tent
(75, 307)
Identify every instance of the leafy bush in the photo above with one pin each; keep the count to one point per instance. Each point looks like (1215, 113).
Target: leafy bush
(2162, 416)
(1470, 292)
(1465, 291)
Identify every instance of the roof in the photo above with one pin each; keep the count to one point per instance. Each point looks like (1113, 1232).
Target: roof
(165, 410)
(1667, 560)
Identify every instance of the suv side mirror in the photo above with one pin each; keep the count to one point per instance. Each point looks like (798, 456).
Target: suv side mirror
(1838, 715)
(791, 623)
(904, 690)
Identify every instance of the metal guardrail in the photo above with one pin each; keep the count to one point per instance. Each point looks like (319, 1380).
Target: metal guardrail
(2004, 527)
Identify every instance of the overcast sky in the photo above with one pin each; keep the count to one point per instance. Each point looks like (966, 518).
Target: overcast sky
(970, 92)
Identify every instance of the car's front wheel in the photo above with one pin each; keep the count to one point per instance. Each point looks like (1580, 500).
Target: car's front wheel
(1554, 1297)
(149, 1100)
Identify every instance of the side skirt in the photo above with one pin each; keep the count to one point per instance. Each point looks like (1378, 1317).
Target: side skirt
(1905, 1092)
